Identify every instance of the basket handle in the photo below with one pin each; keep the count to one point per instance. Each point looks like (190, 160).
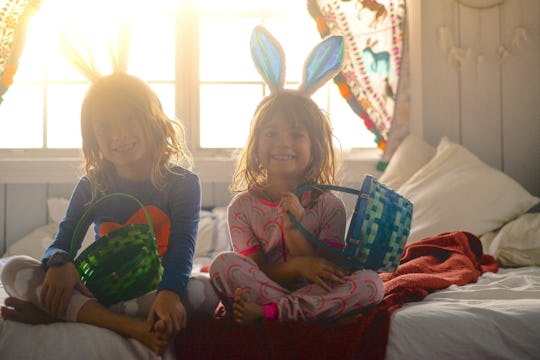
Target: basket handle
(338, 254)
(92, 206)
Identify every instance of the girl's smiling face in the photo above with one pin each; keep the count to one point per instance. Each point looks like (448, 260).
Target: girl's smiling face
(122, 141)
(284, 149)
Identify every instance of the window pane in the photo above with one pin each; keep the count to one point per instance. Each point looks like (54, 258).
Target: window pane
(224, 50)
(64, 115)
(21, 117)
(297, 36)
(349, 128)
(152, 55)
(226, 112)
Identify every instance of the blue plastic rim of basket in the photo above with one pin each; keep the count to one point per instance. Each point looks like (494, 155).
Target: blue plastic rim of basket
(378, 231)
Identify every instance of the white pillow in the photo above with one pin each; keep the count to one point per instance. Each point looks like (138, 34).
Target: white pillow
(213, 236)
(410, 156)
(38, 240)
(57, 208)
(455, 190)
(34, 243)
(518, 242)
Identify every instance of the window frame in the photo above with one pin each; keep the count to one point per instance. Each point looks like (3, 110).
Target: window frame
(187, 84)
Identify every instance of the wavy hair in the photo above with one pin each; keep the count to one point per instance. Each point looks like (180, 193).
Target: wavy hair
(298, 110)
(166, 137)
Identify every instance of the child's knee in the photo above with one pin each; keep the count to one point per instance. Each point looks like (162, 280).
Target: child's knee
(375, 285)
(221, 263)
(200, 295)
(21, 275)
(372, 287)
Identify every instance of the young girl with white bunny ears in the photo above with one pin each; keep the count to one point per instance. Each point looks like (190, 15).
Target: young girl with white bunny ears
(274, 271)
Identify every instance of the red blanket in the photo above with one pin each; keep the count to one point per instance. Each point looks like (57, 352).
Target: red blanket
(426, 266)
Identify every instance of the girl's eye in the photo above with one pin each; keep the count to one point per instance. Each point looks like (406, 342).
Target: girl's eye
(101, 128)
(131, 120)
(298, 134)
(270, 134)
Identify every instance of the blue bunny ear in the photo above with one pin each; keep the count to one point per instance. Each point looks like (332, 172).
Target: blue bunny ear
(268, 57)
(323, 63)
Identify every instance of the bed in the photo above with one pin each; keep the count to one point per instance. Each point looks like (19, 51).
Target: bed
(494, 316)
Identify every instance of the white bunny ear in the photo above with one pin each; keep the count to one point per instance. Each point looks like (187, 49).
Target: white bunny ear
(268, 57)
(119, 48)
(322, 63)
(86, 65)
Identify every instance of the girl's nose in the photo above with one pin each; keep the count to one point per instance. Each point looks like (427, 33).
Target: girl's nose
(117, 132)
(283, 140)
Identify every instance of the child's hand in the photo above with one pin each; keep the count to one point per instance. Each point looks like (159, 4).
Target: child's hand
(320, 271)
(290, 204)
(58, 286)
(168, 314)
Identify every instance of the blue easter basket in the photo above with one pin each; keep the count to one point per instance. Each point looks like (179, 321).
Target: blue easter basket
(378, 229)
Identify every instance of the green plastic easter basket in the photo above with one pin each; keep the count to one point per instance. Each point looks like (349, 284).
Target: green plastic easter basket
(122, 265)
(378, 229)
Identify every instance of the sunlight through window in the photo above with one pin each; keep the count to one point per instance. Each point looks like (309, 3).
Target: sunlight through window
(208, 81)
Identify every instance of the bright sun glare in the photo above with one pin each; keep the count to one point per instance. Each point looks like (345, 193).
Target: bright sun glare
(91, 27)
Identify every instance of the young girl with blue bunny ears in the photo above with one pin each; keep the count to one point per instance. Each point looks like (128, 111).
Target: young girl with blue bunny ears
(274, 271)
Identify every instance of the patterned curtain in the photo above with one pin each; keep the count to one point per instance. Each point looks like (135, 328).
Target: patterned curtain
(14, 18)
(374, 34)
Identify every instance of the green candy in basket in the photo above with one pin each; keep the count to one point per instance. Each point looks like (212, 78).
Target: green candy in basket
(122, 265)
(378, 229)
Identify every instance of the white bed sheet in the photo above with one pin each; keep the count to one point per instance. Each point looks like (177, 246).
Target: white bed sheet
(496, 318)
(67, 341)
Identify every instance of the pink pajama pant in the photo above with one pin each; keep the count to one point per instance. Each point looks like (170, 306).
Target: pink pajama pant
(230, 271)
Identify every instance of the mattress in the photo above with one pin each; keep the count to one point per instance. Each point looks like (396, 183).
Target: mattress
(496, 318)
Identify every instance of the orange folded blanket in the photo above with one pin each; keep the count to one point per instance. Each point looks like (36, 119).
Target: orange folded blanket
(428, 265)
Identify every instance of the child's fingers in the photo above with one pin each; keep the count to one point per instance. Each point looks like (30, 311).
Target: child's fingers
(83, 289)
(320, 281)
(64, 300)
(43, 295)
(55, 304)
(49, 300)
(150, 320)
(169, 325)
(335, 279)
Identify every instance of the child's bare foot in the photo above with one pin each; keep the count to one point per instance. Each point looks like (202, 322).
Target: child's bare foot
(156, 338)
(151, 338)
(25, 312)
(245, 310)
(160, 328)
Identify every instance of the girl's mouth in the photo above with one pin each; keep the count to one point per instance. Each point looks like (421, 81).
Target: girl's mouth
(282, 157)
(124, 147)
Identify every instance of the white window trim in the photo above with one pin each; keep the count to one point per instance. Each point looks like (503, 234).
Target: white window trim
(64, 165)
(36, 170)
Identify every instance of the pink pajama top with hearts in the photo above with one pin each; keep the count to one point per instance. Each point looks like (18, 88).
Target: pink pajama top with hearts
(256, 224)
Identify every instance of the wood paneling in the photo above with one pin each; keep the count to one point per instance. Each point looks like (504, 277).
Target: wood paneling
(521, 97)
(3, 242)
(26, 209)
(488, 105)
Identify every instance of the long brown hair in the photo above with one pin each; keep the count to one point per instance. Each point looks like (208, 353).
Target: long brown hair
(165, 136)
(298, 110)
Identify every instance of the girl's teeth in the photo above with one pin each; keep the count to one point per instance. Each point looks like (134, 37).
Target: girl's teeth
(125, 148)
(282, 157)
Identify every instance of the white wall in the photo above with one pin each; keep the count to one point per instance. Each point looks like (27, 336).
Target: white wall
(490, 107)
(493, 109)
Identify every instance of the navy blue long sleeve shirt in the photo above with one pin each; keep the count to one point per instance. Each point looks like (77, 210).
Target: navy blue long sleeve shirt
(179, 201)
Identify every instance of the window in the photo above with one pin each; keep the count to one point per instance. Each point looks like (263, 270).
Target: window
(203, 75)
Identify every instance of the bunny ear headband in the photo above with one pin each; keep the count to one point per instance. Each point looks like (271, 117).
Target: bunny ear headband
(80, 55)
(322, 63)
